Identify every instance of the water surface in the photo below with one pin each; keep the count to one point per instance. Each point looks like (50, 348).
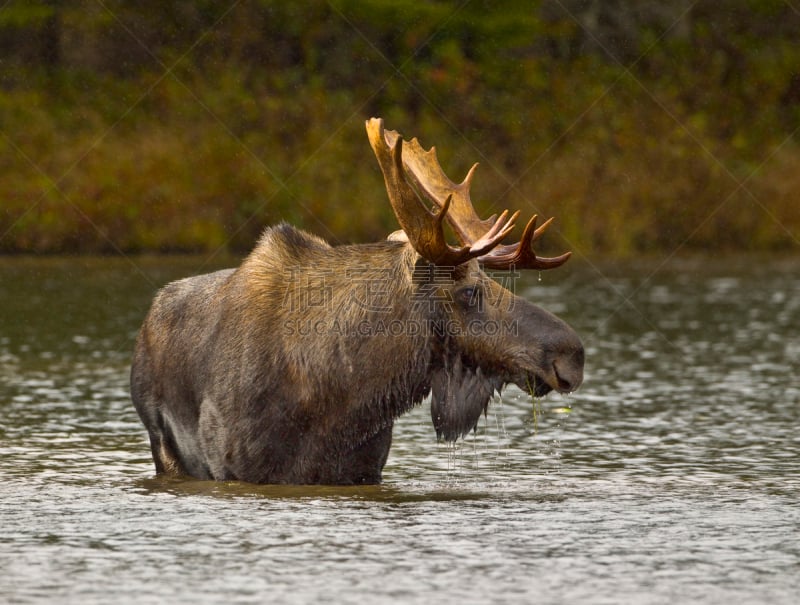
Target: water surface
(673, 475)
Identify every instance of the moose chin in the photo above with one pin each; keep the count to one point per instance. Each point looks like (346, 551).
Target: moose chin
(293, 367)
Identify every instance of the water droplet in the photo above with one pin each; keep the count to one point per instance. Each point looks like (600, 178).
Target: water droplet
(540, 276)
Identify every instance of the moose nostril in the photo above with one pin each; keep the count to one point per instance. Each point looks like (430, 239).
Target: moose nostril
(568, 377)
(564, 386)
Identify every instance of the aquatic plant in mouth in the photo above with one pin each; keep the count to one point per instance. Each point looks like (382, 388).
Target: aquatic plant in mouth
(536, 405)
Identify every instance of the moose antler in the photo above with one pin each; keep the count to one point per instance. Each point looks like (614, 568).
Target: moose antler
(424, 228)
(410, 169)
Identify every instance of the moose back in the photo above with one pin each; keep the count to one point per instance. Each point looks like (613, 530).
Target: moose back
(293, 367)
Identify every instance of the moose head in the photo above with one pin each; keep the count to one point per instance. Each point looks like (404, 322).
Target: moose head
(238, 374)
(498, 338)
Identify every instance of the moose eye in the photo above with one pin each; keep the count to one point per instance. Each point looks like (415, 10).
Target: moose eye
(469, 296)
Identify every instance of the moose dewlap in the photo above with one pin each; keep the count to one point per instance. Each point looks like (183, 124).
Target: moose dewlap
(293, 367)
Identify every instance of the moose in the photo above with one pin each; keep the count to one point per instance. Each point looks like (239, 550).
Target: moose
(293, 367)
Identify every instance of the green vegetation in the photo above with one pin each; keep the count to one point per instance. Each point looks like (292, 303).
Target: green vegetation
(189, 125)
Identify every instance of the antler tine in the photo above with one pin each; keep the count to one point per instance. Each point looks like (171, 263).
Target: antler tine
(499, 230)
(521, 255)
(425, 229)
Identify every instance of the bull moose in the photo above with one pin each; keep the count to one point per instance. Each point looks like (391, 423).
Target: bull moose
(293, 367)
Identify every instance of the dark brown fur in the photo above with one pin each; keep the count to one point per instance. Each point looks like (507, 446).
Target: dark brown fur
(293, 367)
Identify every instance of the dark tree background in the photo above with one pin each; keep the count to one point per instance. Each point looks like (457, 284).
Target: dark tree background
(189, 125)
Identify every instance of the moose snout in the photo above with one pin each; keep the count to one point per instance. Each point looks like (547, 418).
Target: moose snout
(568, 364)
(560, 352)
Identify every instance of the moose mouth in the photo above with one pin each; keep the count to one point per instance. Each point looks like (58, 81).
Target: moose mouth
(532, 384)
(539, 385)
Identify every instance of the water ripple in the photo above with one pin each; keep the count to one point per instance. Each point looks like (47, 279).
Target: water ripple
(672, 475)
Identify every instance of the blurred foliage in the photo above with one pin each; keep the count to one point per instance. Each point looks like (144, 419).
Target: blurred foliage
(189, 125)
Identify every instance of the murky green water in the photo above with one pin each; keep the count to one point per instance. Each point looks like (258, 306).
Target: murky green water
(674, 478)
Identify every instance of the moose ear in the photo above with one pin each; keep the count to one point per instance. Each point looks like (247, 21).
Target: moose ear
(459, 396)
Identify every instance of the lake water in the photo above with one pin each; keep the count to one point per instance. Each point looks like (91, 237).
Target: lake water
(671, 476)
